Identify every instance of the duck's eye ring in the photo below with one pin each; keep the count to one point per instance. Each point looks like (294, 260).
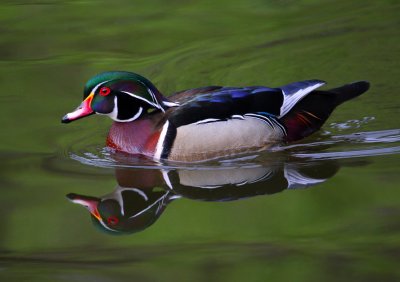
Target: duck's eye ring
(104, 91)
(112, 220)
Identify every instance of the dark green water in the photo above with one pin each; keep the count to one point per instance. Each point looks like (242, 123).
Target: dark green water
(345, 227)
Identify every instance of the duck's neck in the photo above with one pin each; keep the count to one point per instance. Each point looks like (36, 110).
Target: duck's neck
(135, 137)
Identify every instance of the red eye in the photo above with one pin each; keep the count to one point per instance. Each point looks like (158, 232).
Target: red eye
(112, 220)
(104, 91)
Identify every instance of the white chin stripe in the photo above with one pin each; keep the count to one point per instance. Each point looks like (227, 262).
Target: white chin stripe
(114, 113)
(137, 114)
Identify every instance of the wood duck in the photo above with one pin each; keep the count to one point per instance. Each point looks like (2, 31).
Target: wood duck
(208, 122)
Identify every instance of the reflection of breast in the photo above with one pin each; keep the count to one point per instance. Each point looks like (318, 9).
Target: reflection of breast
(238, 183)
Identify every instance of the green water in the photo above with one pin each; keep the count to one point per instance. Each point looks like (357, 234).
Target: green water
(347, 227)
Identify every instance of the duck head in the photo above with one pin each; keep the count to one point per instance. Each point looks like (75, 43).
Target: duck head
(123, 96)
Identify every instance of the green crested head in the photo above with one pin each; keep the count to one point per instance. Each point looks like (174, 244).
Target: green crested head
(123, 96)
(121, 76)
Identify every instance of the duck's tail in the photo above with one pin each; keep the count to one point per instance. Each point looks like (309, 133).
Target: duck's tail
(313, 110)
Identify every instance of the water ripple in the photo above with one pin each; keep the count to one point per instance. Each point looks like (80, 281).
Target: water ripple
(351, 124)
(353, 145)
(350, 154)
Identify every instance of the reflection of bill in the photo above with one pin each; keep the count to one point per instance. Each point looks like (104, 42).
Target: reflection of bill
(142, 195)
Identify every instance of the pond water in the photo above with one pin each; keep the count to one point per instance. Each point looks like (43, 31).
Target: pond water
(326, 208)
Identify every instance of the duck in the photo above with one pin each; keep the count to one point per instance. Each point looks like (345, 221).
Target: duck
(208, 122)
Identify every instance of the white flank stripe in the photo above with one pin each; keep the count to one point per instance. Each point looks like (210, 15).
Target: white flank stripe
(272, 123)
(237, 117)
(159, 146)
(290, 100)
(207, 120)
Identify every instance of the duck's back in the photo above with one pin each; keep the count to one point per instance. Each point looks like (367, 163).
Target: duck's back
(219, 121)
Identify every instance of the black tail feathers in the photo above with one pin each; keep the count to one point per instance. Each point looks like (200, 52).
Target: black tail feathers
(349, 91)
(311, 112)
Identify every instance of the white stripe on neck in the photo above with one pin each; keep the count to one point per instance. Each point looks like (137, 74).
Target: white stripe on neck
(114, 113)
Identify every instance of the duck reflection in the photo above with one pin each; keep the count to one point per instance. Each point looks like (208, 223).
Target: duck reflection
(141, 196)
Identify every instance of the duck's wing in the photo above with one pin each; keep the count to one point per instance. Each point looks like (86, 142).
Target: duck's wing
(294, 92)
(184, 96)
(309, 114)
(216, 103)
(226, 103)
(228, 119)
(217, 121)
